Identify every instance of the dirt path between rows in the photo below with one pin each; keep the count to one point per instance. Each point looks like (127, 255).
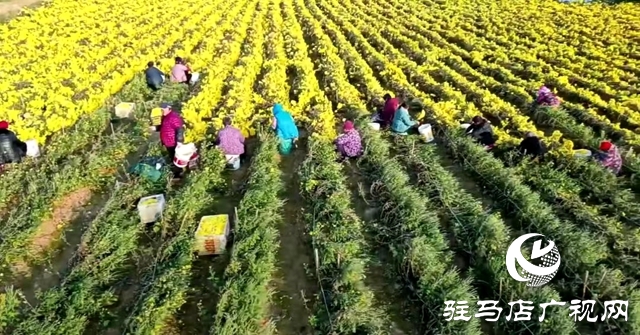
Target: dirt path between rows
(295, 287)
(11, 8)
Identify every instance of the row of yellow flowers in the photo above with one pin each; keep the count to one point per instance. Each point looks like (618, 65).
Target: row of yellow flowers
(578, 71)
(217, 60)
(483, 102)
(268, 54)
(65, 59)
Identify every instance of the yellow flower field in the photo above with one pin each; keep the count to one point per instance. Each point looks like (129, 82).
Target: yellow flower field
(379, 244)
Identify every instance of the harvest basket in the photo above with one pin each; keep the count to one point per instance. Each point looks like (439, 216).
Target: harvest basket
(212, 234)
(150, 208)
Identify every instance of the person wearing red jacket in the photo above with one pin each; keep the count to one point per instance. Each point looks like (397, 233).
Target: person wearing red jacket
(391, 105)
(171, 130)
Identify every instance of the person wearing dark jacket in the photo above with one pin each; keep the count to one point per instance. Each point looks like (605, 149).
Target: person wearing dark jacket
(155, 77)
(482, 131)
(11, 148)
(532, 145)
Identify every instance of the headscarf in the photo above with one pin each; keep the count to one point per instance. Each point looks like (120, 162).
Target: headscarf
(605, 145)
(4, 125)
(285, 125)
(348, 126)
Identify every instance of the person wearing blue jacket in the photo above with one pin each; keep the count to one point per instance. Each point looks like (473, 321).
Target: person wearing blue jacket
(402, 122)
(285, 128)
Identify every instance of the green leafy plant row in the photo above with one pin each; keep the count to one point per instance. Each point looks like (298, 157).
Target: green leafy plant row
(244, 301)
(604, 186)
(98, 264)
(167, 280)
(95, 170)
(337, 234)
(563, 193)
(94, 126)
(411, 231)
(484, 237)
(582, 251)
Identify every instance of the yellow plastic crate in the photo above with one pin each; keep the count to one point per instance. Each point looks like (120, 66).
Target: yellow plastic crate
(156, 116)
(211, 235)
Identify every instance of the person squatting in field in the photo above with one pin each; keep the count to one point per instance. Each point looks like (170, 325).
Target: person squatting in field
(546, 98)
(171, 130)
(12, 150)
(349, 143)
(609, 157)
(155, 77)
(532, 146)
(181, 73)
(402, 123)
(285, 128)
(230, 140)
(384, 115)
(481, 130)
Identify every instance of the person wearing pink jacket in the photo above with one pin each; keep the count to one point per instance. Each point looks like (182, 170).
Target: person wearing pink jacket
(180, 73)
(171, 130)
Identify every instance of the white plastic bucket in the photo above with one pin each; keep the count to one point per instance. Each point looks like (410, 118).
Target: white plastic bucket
(150, 208)
(33, 150)
(582, 153)
(465, 125)
(375, 126)
(233, 161)
(195, 77)
(184, 154)
(426, 132)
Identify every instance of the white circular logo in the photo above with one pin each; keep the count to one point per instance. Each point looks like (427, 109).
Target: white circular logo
(534, 275)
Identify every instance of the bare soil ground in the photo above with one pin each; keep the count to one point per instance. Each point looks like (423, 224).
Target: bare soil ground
(380, 271)
(9, 9)
(295, 285)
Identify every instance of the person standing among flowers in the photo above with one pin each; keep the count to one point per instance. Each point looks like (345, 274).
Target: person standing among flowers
(609, 157)
(349, 143)
(230, 139)
(171, 130)
(285, 128)
(546, 98)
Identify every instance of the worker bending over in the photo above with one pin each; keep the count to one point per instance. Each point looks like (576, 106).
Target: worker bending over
(609, 157)
(285, 128)
(402, 123)
(12, 150)
(546, 98)
(532, 146)
(349, 143)
(155, 77)
(230, 140)
(481, 130)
